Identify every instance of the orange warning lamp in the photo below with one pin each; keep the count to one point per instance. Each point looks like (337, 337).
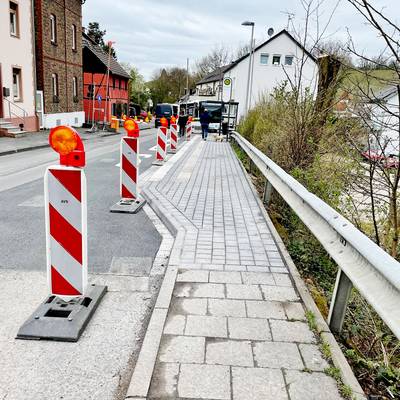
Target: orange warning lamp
(173, 120)
(67, 143)
(164, 122)
(190, 119)
(131, 127)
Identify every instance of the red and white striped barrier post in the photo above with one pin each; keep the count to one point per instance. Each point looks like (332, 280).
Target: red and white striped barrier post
(130, 201)
(189, 128)
(174, 135)
(66, 216)
(71, 303)
(162, 134)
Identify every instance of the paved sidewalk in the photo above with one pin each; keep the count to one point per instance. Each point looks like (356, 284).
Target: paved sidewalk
(235, 328)
(38, 140)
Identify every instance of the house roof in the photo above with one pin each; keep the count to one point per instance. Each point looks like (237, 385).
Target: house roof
(386, 93)
(216, 75)
(116, 69)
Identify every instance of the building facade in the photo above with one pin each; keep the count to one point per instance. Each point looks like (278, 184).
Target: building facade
(17, 70)
(58, 33)
(277, 60)
(95, 65)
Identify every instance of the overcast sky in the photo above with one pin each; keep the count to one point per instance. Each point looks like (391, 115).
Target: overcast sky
(158, 33)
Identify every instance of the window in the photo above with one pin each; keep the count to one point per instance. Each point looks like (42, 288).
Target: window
(276, 60)
(73, 28)
(120, 83)
(54, 84)
(264, 59)
(288, 60)
(17, 92)
(53, 28)
(13, 19)
(75, 86)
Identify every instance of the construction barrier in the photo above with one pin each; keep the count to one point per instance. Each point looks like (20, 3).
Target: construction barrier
(173, 135)
(189, 129)
(129, 170)
(66, 216)
(162, 134)
(71, 303)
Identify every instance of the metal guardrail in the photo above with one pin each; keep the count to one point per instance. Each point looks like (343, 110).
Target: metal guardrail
(362, 263)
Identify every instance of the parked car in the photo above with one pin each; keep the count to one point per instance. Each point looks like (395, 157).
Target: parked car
(392, 162)
(165, 110)
(374, 155)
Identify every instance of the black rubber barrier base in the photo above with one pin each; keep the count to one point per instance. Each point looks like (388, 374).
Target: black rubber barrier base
(56, 319)
(128, 206)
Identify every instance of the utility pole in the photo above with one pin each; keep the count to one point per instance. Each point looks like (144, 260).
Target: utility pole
(107, 84)
(187, 76)
(249, 23)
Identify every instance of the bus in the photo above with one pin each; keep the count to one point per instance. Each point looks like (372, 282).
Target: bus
(219, 111)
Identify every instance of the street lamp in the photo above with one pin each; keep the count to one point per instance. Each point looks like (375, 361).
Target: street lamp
(248, 91)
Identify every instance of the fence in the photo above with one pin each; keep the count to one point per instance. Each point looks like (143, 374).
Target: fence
(362, 263)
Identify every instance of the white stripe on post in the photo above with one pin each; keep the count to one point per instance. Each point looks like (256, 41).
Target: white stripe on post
(66, 231)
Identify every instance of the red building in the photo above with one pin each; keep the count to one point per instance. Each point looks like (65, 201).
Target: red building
(95, 61)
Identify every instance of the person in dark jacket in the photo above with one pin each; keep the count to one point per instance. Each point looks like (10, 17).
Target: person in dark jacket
(182, 121)
(205, 122)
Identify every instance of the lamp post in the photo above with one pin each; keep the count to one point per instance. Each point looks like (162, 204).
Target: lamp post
(249, 23)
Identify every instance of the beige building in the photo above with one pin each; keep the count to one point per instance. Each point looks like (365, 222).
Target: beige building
(17, 71)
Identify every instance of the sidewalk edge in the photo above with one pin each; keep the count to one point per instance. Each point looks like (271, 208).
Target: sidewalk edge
(338, 358)
(141, 378)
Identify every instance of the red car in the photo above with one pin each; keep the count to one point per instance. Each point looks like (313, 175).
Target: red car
(373, 155)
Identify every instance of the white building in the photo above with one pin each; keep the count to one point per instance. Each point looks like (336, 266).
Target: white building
(279, 59)
(17, 82)
(385, 118)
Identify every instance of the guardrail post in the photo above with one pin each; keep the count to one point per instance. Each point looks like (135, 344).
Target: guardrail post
(267, 192)
(251, 166)
(339, 302)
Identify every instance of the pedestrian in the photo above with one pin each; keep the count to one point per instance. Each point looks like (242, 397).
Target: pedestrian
(205, 122)
(182, 121)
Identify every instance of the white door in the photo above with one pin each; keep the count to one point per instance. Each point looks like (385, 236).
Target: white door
(40, 108)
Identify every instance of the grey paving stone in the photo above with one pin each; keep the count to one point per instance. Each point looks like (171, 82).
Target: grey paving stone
(287, 331)
(198, 325)
(225, 277)
(204, 382)
(192, 276)
(279, 293)
(164, 381)
(227, 308)
(283, 280)
(312, 357)
(214, 290)
(232, 267)
(295, 311)
(265, 309)
(248, 292)
(229, 352)
(182, 349)
(277, 355)
(175, 325)
(279, 270)
(189, 306)
(314, 386)
(249, 328)
(254, 278)
(258, 268)
(258, 384)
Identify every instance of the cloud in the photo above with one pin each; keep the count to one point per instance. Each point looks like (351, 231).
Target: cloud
(152, 34)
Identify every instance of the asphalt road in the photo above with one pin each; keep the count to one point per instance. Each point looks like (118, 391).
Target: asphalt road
(22, 244)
